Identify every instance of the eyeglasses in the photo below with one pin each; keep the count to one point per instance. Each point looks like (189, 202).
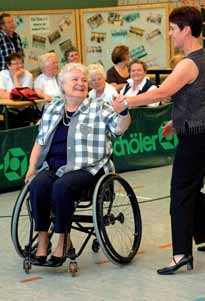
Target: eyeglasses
(16, 63)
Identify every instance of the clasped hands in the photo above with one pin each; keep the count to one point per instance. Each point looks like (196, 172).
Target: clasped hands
(119, 102)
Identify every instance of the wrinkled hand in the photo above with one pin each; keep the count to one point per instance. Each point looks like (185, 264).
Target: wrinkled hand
(118, 106)
(30, 173)
(19, 73)
(47, 98)
(168, 129)
(119, 98)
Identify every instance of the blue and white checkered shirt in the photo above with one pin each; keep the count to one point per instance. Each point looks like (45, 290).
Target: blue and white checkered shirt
(89, 143)
(9, 46)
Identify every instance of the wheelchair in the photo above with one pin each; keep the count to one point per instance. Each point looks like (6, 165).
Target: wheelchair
(115, 223)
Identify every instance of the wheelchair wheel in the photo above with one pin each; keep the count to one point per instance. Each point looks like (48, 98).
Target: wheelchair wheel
(117, 219)
(21, 223)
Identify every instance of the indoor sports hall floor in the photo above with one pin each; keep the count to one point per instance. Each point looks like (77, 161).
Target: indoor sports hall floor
(97, 278)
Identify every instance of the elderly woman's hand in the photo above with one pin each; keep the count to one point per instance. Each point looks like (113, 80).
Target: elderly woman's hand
(119, 103)
(30, 173)
(47, 98)
(118, 106)
(119, 98)
(19, 73)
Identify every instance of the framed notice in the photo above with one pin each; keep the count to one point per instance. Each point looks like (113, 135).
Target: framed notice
(46, 30)
(143, 28)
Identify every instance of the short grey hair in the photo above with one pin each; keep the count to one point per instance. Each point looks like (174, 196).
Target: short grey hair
(68, 68)
(94, 69)
(44, 58)
(64, 73)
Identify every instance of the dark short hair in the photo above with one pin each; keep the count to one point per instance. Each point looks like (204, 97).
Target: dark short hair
(118, 53)
(67, 52)
(12, 57)
(187, 16)
(136, 61)
(2, 16)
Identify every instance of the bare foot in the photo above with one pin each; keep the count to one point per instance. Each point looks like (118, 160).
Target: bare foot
(58, 252)
(175, 260)
(43, 242)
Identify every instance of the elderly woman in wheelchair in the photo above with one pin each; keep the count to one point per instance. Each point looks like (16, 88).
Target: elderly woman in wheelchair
(71, 153)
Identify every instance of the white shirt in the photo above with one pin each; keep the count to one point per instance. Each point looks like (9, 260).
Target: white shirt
(107, 94)
(134, 91)
(6, 81)
(48, 85)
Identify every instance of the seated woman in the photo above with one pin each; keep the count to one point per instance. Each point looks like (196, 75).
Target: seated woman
(97, 81)
(72, 55)
(15, 76)
(46, 84)
(119, 73)
(138, 81)
(72, 150)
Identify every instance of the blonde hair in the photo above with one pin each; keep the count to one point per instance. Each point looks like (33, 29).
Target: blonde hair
(94, 69)
(44, 58)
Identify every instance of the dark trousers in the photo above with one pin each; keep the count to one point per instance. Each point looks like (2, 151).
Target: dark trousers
(186, 183)
(47, 191)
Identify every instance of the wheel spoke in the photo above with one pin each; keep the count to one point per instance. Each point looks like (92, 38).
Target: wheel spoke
(117, 221)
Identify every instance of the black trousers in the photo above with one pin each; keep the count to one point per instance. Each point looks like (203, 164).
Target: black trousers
(187, 178)
(47, 191)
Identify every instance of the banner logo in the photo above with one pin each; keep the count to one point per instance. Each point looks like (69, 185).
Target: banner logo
(15, 164)
(138, 143)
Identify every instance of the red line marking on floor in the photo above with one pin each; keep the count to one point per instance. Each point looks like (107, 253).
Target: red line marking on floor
(165, 246)
(137, 186)
(102, 261)
(31, 279)
(140, 253)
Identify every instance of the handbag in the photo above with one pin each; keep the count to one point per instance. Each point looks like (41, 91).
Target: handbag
(27, 94)
(24, 93)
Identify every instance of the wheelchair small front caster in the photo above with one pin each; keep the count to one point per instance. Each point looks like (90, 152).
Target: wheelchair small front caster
(27, 266)
(95, 246)
(73, 268)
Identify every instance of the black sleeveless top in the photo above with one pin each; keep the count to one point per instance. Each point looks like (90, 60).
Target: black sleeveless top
(189, 103)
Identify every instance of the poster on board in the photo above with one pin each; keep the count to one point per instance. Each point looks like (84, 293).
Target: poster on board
(45, 31)
(144, 29)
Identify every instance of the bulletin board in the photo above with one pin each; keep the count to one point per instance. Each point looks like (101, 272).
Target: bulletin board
(143, 28)
(43, 31)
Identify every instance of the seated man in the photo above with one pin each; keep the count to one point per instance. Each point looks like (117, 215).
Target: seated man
(72, 151)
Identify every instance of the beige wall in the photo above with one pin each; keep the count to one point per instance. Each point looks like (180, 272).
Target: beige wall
(177, 3)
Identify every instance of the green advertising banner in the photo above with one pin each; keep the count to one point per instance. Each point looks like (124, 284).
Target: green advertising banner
(15, 148)
(142, 146)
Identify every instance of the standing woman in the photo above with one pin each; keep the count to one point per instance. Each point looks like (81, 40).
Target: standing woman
(186, 85)
(119, 73)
